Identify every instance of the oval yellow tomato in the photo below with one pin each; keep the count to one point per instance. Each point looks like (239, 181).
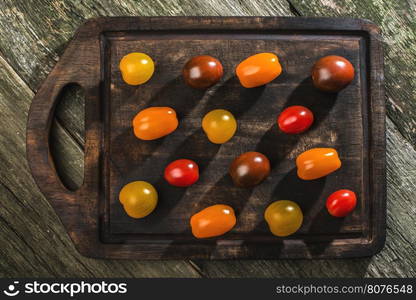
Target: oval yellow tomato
(136, 68)
(139, 198)
(284, 217)
(219, 125)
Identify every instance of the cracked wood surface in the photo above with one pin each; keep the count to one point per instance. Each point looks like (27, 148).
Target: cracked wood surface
(34, 35)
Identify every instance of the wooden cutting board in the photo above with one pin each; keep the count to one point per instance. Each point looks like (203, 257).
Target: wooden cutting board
(351, 121)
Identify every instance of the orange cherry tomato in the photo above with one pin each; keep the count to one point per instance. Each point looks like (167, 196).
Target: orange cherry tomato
(332, 73)
(213, 221)
(258, 70)
(316, 163)
(154, 122)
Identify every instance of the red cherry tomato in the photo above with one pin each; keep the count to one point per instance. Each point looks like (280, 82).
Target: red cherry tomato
(295, 119)
(182, 172)
(341, 203)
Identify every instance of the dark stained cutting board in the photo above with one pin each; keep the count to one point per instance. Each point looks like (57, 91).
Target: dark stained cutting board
(351, 121)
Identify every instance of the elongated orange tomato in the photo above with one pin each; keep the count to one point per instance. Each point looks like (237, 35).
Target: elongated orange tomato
(258, 70)
(213, 221)
(154, 122)
(317, 162)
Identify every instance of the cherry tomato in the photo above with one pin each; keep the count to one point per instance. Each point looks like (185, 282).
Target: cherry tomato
(182, 172)
(139, 198)
(284, 217)
(332, 73)
(154, 122)
(341, 203)
(317, 162)
(249, 169)
(219, 125)
(295, 119)
(258, 70)
(136, 68)
(202, 71)
(213, 221)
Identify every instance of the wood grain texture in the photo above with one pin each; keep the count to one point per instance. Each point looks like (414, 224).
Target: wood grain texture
(397, 21)
(21, 22)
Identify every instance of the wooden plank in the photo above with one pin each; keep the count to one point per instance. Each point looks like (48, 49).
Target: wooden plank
(395, 260)
(397, 21)
(34, 241)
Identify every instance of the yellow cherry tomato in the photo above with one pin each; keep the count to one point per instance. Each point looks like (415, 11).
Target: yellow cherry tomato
(219, 125)
(284, 217)
(136, 68)
(139, 199)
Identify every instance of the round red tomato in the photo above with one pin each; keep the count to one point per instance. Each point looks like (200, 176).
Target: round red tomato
(341, 203)
(182, 172)
(295, 119)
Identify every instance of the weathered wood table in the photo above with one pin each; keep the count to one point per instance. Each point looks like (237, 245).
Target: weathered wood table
(34, 243)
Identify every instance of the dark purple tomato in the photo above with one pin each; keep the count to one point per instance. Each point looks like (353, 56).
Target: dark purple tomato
(332, 73)
(249, 169)
(202, 72)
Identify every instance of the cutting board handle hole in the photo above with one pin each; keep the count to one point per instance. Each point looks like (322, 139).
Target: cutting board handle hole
(67, 136)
